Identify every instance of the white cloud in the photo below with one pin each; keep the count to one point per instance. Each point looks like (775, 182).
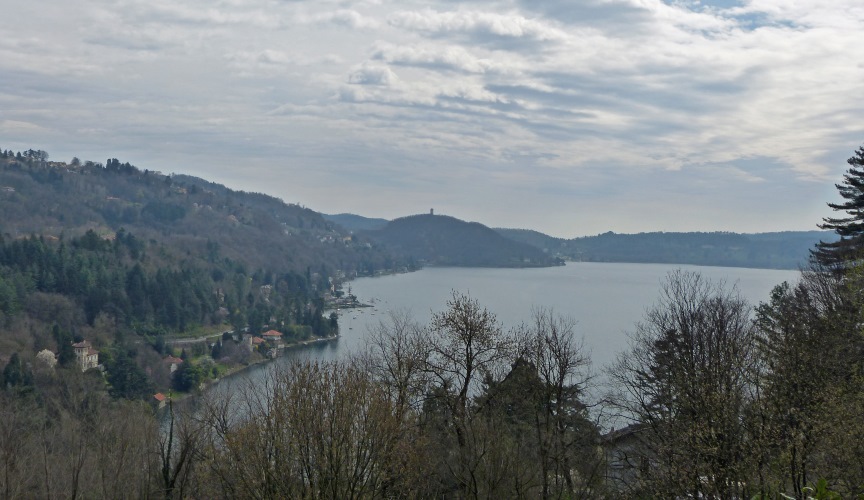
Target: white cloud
(343, 17)
(577, 95)
(371, 74)
(452, 57)
(510, 25)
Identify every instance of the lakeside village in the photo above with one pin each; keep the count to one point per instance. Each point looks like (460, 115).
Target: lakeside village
(177, 367)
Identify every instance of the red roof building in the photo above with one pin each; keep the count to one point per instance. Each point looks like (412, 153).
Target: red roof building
(172, 362)
(275, 338)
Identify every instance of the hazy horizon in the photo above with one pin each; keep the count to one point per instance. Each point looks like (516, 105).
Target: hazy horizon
(578, 235)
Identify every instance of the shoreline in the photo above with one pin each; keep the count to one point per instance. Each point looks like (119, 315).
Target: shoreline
(240, 369)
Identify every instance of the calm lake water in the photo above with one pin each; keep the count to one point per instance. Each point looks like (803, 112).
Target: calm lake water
(605, 299)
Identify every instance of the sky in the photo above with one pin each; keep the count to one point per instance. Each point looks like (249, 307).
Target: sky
(568, 117)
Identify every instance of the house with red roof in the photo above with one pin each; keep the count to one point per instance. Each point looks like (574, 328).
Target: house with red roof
(172, 362)
(274, 338)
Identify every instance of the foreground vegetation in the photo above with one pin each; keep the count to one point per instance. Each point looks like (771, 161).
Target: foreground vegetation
(713, 399)
(717, 405)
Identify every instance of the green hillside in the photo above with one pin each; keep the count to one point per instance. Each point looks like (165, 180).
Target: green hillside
(122, 258)
(447, 241)
(186, 213)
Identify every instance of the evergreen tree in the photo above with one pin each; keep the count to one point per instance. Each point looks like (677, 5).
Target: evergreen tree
(127, 379)
(65, 352)
(216, 351)
(16, 374)
(850, 228)
(188, 377)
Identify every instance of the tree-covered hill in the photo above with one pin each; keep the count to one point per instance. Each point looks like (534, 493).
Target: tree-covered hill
(354, 222)
(186, 213)
(123, 258)
(447, 241)
(780, 250)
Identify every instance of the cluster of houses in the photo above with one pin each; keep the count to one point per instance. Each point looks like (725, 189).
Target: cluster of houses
(272, 340)
(86, 357)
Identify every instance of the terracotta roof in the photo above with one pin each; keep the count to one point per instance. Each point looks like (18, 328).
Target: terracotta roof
(159, 397)
(273, 333)
(81, 345)
(257, 340)
(172, 360)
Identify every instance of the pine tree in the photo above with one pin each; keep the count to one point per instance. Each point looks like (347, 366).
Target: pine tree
(851, 228)
(15, 373)
(65, 352)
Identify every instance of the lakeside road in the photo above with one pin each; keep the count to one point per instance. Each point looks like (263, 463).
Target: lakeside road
(195, 340)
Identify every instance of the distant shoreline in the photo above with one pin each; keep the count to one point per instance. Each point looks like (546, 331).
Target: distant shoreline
(210, 384)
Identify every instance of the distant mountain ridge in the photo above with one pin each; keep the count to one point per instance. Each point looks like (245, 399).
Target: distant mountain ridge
(447, 241)
(773, 250)
(779, 250)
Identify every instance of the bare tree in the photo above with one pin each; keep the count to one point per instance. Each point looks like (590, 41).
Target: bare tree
(16, 455)
(178, 447)
(466, 346)
(565, 436)
(317, 431)
(466, 343)
(396, 352)
(684, 381)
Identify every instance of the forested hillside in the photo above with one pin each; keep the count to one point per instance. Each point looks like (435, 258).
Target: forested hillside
(55, 198)
(447, 241)
(128, 260)
(356, 222)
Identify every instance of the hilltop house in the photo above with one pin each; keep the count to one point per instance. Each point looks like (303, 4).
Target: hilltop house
(85, 356)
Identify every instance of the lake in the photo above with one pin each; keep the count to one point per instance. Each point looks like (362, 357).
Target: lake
(605, 299)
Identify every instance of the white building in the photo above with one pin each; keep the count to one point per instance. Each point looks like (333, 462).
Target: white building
(85, 355)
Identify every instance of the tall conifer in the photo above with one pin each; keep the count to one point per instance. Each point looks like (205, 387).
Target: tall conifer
(850, 228)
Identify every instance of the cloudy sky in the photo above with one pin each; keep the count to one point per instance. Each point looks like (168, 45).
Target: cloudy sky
(571, 117)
